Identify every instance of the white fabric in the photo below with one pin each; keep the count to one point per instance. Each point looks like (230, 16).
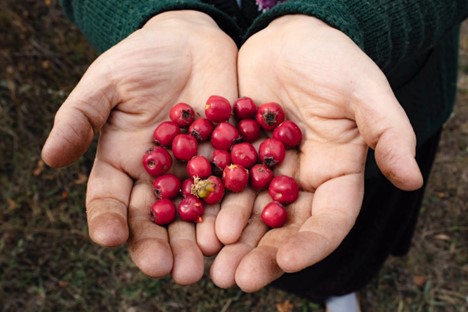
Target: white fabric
(346, 303)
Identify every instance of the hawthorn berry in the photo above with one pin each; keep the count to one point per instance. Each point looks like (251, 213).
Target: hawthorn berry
(274, 215)
(186, 188)
(224, 135)
(157, 160)
(199, 166)
(244, 108)
(271, 152)
(269, 115)
(249, 130)
(235, 178)
(182, 114)
(283, 189)
(163, 211)
(201, 129)
(260, 176)
(289, 133)
(166, 186)
(217, 109)
(211, 190)
(244, 154)
(184, 146)
(191, 209)
(219, 161)
(165, 132)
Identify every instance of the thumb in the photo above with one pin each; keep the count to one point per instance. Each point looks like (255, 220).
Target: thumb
(80, 118)
(386, 128)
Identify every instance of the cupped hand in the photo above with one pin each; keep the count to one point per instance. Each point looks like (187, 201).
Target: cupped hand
(179, 56)
(344, 105)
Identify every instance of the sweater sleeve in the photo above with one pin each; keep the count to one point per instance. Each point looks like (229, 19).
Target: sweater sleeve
(387, 31)
(105, 23)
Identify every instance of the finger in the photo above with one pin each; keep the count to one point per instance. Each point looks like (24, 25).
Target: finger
(386, 128)
(149, 243)
(335, 207)
(107, 199)
(234, 214)
(205, 231)
(223, 268)
(80, 117)
(188, 259)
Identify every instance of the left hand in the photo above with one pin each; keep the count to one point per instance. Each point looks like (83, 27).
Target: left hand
(344, 105)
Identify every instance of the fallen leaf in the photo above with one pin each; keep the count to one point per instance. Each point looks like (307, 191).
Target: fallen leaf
(39, 168)
(419, 280)
(285, 306)
(82, 178)
(442, 236)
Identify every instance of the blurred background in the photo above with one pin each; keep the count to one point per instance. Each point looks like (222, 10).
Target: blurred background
(47, 262)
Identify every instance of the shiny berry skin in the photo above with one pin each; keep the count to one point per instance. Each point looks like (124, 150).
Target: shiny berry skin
(201, 129)
(283, 189)
(274, 215)
(199, 166)
(165, 133)
(211, 190)
(289, 133)
(182, 114)
(163, 211)
(166, 186)
(249, 130)
(244, 154)
(244, 108)
(184, 146)
(235, 178)
(269, 115)
(186, 188)
(224, 135)
(271, 152)
(191, 209)
(260, 176)
(157, 161)
(219, 161)
(217, 109)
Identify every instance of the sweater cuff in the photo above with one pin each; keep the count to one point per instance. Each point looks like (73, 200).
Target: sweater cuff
(105, 23)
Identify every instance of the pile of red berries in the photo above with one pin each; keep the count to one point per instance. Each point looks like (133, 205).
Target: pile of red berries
(234, 165)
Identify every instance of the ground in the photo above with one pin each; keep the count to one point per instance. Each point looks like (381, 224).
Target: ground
(48, 263)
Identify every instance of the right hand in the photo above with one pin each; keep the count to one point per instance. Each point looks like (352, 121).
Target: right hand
(179, 56)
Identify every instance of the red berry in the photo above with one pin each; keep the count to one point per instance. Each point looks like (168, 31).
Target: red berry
(289, 133)
(184, 146)
(224, 135)
(249, 130)
(244, 154)
(274, 215)
(191, 209)
(199, 166)
(163, 211)
(235, 178)
(165, 133)
(201, 129)
(166, 186)
(219, 161)
(211, 190)
(260, 177)
(186, 189)
(269, 115)
(217, 108)
(157, 160)
(283, 189)
(182, 114)
(271, 152)
(244, 107)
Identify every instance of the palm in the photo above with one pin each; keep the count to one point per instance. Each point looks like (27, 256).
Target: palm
(323, 90)
(179, 56)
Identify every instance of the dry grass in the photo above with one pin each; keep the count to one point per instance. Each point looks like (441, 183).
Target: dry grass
(47, 262)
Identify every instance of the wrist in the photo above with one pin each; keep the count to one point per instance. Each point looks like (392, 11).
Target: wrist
(178, 18)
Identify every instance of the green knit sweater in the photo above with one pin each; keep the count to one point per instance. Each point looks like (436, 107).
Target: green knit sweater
(414, 42)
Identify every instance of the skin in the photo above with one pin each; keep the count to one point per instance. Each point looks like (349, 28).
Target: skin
(343, 103)
(184, 56)
(179, 56)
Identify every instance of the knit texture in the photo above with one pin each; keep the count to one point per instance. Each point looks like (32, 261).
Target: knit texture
(105, 23)
(388, 31)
